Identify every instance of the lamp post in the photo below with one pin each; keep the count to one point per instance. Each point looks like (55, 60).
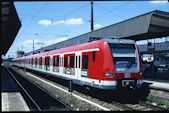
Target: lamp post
(91, 15)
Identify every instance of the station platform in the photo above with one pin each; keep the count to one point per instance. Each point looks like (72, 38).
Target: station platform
(157, 84)
(11, 99)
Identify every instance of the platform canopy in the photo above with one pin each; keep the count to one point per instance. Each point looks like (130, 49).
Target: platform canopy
(154, 24)
(10, 25)
(151, 25)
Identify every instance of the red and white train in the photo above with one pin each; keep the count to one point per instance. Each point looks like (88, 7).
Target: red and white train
(103, 64)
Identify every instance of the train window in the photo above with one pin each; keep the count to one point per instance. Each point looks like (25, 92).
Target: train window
(65, 61)
(85, 61)
(72, 61)
(47, 61)
(57, 61)
(79, 61)
(54, 60)
(40, 61)
(76, 61)
(94, 56)
(36, 61)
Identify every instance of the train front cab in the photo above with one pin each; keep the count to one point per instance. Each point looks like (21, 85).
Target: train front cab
(126, 65)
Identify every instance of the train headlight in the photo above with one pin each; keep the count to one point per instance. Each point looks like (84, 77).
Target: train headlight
(109, 74)
(141, 74)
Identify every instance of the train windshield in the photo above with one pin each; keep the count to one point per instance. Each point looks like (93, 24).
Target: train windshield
(124, 57)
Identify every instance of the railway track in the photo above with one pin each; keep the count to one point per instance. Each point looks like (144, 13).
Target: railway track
(141, 106)
(153, 107)
(123, 106)
(38, 99)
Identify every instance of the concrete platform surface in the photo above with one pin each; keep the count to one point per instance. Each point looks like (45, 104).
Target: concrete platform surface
(13, 101)
(164, 85)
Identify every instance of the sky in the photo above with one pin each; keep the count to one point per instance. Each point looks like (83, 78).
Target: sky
(49, 22)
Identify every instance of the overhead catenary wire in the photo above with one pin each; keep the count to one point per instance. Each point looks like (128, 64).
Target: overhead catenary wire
(68, 15)
(72, 12)
(102, 15)
(113, 13)
(26, 27)
(18, 34)
(48, 17)
(76, 10)
(29, 10)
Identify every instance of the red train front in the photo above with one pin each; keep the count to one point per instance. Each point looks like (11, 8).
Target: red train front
(103, 64)
(122, 64)
(116, 64)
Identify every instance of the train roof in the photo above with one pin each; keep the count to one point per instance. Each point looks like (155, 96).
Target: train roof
(89, 45)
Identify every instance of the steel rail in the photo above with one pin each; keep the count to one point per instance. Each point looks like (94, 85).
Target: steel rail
(46, 92)
(24, 90)
(152, 106)
(127, 108)
(76, 96)
(123, 106)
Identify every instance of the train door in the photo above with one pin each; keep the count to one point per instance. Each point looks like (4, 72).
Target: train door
(61, 64)
(78, 65)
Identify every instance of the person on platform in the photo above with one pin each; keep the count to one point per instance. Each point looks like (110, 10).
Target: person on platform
(156, 64)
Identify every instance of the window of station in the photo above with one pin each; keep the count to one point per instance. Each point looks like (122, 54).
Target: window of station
(65, 61)
(72, 61)
(85, 61)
